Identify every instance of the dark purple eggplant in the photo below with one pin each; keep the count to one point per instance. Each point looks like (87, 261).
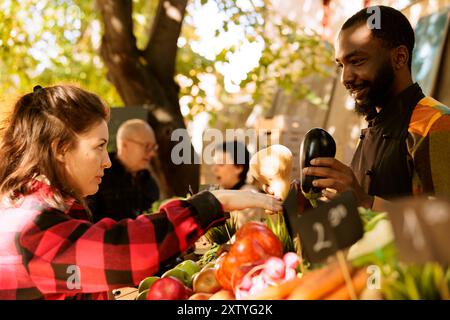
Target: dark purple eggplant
(316, 143)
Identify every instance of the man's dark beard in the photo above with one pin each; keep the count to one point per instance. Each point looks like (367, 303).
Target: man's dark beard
(378, 91)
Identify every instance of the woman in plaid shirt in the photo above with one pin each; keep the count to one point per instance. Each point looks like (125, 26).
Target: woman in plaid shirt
(52, 155)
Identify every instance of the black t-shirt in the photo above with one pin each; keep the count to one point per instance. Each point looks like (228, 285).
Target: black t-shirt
(122, 195)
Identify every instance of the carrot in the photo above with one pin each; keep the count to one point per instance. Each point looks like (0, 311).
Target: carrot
(318, 285)
(359, 282)
(278, 292)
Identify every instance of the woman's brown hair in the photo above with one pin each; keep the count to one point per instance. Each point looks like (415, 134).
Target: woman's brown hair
(42, 124)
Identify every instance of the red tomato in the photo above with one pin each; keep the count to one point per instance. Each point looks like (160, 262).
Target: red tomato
(247, 250)
(223, 279)
(255, 242)
(260, 233)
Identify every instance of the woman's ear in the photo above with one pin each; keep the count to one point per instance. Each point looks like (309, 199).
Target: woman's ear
(58, 151)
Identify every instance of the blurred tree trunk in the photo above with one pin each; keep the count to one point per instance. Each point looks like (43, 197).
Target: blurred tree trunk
(146, 78)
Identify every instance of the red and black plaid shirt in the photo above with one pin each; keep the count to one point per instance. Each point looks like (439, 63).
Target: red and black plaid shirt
(46, 253)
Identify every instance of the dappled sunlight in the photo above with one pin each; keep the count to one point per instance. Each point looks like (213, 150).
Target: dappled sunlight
(163, 116)
(117, 25)
(172, 12)
(239, 64)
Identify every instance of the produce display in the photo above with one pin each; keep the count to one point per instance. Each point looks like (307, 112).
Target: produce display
(256, 268)
(259, 261)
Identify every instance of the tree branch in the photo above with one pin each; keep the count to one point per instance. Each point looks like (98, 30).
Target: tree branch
(162, 47)
(118, 26)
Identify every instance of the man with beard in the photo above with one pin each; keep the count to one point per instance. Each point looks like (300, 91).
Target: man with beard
(405, 150)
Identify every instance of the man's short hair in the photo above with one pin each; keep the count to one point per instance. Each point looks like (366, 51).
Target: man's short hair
(395, 29)
(132, 126)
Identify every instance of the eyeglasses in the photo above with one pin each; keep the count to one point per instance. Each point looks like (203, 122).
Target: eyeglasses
(147, 146)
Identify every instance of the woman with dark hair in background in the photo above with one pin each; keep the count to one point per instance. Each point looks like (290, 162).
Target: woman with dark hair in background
(232, 161)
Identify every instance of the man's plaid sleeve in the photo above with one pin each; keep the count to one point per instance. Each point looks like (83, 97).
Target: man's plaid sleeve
(431, 169)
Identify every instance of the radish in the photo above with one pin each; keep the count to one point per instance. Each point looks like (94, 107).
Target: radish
(241, 294)
(274, 268)
(291, 260)
(246, 283)
(258, 284)
(290, 274)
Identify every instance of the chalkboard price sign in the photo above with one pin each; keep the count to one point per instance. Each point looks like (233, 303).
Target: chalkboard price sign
(331, 227)
(421, 229)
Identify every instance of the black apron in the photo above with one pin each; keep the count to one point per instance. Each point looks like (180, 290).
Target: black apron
(381, 162)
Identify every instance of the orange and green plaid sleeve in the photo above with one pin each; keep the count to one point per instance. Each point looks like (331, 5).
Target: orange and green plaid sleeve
(430, 147)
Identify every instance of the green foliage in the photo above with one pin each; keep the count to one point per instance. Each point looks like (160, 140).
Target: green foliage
(57, 41)
(51, 41)
(209, 255)
(370, 218)
(222, 234)
(144, 13)
(279, 228)
(430, 281)
(290, 55)
(385, 255)
(400, 281)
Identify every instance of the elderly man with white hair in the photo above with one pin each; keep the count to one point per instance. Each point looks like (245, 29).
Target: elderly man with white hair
(127, 188)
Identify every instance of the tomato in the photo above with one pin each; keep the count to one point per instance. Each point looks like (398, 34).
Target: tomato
(244, 252)
(255, 242)
(247, 250)
(263, 236)
(223, 278)
(250, 227)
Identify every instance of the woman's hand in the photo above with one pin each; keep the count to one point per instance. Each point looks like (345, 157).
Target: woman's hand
(242, 199)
